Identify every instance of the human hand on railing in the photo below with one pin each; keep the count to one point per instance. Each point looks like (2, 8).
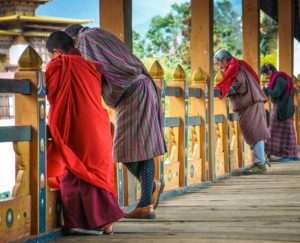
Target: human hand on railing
(217, 92)
(231, 92)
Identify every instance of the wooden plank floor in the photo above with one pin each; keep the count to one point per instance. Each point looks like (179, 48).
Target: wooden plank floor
(260, 208)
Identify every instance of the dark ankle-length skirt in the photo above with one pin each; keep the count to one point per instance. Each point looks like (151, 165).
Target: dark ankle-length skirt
(87, 206)
(283, 138)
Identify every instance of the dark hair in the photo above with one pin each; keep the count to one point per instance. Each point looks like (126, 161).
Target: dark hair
(268, 67)
(73, 29)
(59, 40)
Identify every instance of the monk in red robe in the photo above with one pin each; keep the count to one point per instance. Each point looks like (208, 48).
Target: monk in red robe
(80, 159)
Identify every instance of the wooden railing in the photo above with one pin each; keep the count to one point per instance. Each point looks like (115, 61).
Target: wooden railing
(35, 209)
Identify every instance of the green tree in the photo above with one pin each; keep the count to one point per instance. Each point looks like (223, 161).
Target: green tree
(166, 35)
(268, 42)
(227, 28)
(168, 38)
(138, 44)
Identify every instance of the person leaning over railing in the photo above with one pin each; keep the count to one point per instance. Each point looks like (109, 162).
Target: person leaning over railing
(128, 89)
(241, 85)
(283, 138)
(79, 158)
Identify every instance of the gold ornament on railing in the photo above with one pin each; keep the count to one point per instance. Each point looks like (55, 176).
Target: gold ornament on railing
(179, 74)
(263, 81)
(30, 60)
(156, 71)
(199, 76)
(219, 76)
(295, 81)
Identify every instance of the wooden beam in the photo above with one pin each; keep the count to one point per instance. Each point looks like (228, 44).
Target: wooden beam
(15, 133)
(15, 86)
(172, 122)
(251, 52)
(286, 36)
(173, 91)
(202, 56)
(116, 17)
(194, 121)
(43, 26)
(219, 118)
(232, 117)
(195, 92)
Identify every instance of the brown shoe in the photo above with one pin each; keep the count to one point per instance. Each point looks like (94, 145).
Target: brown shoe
(142, 213)
(159, 188)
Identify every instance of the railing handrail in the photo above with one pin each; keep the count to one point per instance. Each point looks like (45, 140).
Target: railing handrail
(15, 86)
(15, 133)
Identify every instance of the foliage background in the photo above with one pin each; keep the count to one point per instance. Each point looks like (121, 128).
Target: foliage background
(168, 37)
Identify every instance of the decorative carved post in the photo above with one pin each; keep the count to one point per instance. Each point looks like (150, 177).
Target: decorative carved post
(221, 138)
(157, 74)
(198, 108)
(27, 112)
(177, 109)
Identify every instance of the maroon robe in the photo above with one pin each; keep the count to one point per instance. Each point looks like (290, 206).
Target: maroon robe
(248, 103)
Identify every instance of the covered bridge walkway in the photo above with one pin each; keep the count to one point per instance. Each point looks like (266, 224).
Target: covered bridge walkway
(204, 145)
(260, 208)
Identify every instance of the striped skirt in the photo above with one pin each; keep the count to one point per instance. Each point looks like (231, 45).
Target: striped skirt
(138, 125)
(283, 138)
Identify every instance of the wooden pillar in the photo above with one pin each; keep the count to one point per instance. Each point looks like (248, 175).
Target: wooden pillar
(202, 56)
(286, 36)
(116, 17)
(251, 33)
